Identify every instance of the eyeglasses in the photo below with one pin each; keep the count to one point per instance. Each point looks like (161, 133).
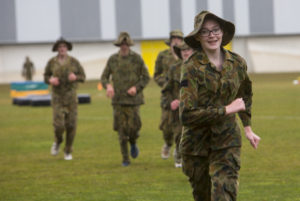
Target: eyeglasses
(206, 32)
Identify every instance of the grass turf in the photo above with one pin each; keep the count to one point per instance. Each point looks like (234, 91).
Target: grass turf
(29, 172)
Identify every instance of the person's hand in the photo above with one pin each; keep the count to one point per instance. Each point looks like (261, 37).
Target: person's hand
(54, 81)
(110, 91)
(235, 106)
(252, 137)
(132, 91)
(72, 77)
(174, 104)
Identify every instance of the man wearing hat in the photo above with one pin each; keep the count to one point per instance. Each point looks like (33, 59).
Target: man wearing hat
(215, 87)
(163, 62)
(129, 76)
(171, 91)
(63, 72)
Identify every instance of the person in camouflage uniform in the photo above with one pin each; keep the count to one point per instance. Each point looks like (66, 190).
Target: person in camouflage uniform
(28, 69)
(129, 76)
(63, 72)
(163, 62)
(171, 92)
(215, 87)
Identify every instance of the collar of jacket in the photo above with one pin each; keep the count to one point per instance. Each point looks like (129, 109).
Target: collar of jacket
(130, 53)
(203, 59)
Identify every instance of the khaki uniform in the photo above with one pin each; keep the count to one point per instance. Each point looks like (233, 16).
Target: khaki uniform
(64, 98)
(211, 140)
(164, 60)
(171, 92)
(125, 72)
(28, 70)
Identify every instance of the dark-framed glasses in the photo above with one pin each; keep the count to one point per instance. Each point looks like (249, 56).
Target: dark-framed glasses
(206, 32)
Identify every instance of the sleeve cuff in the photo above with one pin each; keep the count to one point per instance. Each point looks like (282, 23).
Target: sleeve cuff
(221, 111)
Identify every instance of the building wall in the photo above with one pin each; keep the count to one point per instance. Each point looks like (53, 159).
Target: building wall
(263, 54)
(36, 21)
(267, 31)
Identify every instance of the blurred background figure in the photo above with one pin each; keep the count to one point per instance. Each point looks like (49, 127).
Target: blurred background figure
(28, 69)
(171, 91)
(164, 61)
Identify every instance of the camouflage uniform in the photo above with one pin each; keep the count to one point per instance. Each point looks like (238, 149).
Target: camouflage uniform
(28, 69)
(171, 92)
(64, 98)
(164, 60)
(125, 72)
(211, 140)
(162, 65)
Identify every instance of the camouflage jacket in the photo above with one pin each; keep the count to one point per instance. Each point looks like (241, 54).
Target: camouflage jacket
(171, 88)
(126, 72)
(164, 61)
(66, 90)
(204, 94)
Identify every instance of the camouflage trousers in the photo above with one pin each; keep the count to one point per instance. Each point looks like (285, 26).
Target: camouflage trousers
(215, 177)
(177, 130)
(166, 126)
(127, 123)
(65, 119)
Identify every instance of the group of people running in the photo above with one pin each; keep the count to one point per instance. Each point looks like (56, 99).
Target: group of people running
(203, 87)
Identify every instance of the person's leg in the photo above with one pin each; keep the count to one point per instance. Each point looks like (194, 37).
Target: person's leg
(71, 125)
(133, 127)
(120, 123)
(177, 132)
(224, 168)
(196, 168)
(168, 135)
(59, 127)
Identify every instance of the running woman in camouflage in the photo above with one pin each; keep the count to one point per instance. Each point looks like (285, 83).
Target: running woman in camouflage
(129, 76)
(164, 61)
(63, 72)
(215, 87)
(171, 92)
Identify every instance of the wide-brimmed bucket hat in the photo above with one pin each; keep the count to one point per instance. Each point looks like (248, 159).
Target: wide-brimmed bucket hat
(227, 27)
(59, 41)
(178, 48)
(123, 37)
(174, 33)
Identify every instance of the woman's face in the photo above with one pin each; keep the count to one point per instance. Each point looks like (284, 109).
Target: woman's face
(210, 35)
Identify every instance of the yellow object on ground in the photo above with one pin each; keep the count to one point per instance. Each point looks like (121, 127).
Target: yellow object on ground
(15, 94)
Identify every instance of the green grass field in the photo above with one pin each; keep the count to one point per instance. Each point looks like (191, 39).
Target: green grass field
(29, 173)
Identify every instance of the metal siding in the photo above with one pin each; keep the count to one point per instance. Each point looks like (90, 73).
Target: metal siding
(107, 19)
(129, 17)
(188, 15)
(175, 14)
(7, 21)
(286, 11)
(228, 10)
(158, 25)
(37, 20)
(201, 5)
(80, 20)
(261, 16)
(216, 7)
(241, 8)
